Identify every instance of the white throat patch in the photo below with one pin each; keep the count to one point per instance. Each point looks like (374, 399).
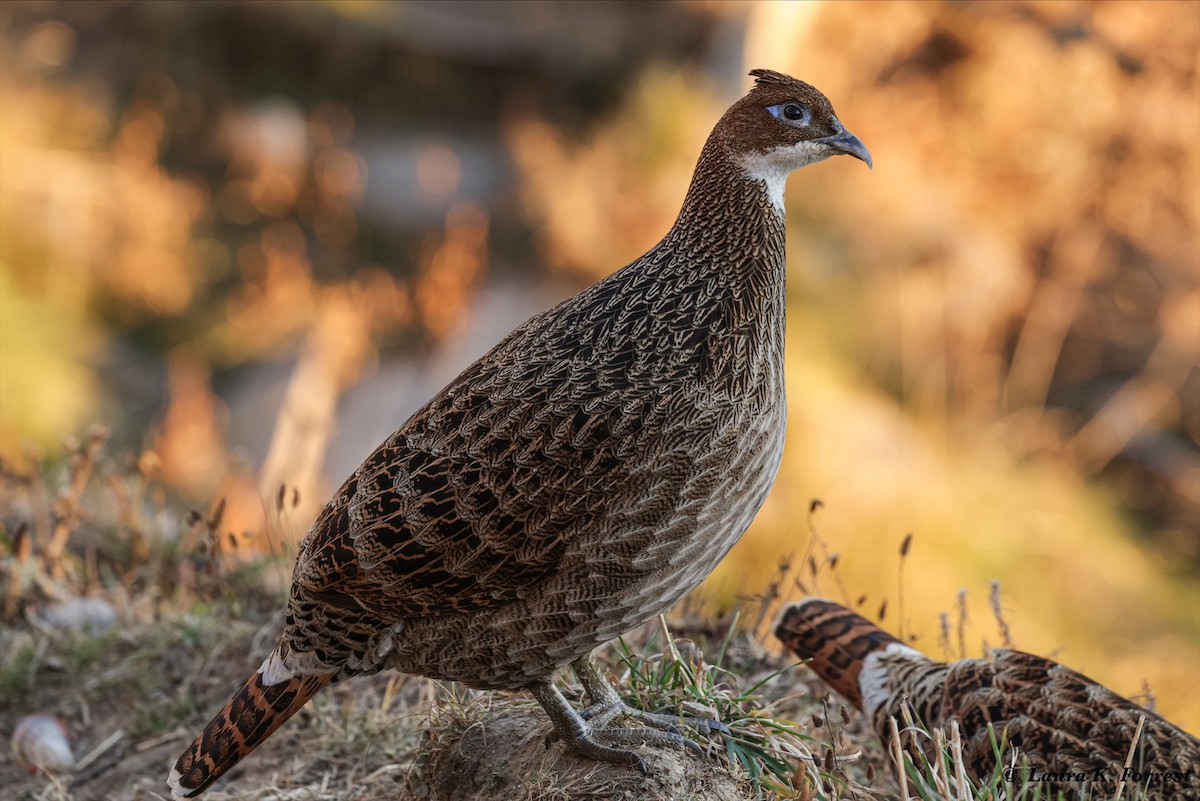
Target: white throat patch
(773, 167)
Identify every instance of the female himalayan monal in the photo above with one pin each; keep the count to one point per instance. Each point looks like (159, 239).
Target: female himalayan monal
(574, 482)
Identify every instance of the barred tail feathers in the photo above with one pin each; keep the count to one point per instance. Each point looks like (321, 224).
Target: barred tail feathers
(837, 640)
(250, 717)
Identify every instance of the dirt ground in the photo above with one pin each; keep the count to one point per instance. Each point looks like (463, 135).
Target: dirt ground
(134, 697)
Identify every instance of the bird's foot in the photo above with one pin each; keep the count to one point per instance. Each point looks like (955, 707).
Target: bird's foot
(600, 715)
(602, 744)
(607, 705)
(589, 738)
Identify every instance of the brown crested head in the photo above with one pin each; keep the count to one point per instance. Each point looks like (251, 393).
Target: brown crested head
(783, 124)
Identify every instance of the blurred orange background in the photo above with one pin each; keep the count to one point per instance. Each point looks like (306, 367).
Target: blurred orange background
(252, 238)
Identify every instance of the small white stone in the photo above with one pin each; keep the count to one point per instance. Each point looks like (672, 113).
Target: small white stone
(92, 615)
(40, 743)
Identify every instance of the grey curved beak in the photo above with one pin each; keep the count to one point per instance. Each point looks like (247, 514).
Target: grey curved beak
(849, 144)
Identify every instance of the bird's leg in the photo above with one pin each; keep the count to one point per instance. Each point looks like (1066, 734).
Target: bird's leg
(607, 705)
(600, 744)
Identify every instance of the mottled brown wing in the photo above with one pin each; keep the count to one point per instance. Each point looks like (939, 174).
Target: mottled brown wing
(429, 530)
(474, 500)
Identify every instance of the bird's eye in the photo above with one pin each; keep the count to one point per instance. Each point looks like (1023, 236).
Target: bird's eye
(794, 115)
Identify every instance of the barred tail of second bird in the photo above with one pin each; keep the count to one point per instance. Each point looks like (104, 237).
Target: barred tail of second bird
(835, 639)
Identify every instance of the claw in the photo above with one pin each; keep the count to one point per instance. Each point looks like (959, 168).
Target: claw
(587, 737)
(607, 705)
(710, 724)
(599, 715)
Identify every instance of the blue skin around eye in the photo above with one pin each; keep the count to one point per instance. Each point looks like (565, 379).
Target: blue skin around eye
(777, 113)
